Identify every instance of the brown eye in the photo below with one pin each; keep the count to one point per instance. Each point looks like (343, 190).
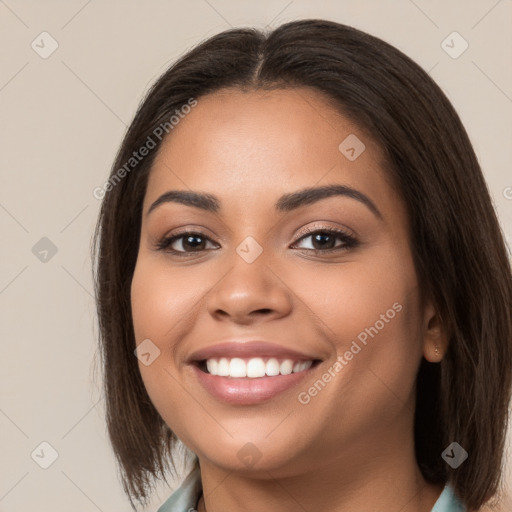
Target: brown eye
(184, 243)
(324, 240)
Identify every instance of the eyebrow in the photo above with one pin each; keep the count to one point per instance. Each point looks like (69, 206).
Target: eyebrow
(285, 203)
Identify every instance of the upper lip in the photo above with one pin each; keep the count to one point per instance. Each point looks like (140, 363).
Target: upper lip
(247, 349)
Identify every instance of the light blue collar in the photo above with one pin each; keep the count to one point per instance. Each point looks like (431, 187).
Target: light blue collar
(448, 502)
(185, 498)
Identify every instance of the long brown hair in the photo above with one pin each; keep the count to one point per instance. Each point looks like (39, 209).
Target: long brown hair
(458, 248)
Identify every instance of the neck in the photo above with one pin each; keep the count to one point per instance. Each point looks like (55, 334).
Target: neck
(380, 476)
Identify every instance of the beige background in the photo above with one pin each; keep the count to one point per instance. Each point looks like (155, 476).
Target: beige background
(62, 119)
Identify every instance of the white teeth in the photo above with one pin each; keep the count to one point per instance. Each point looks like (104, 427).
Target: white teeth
(222, 369)
(303, 365)
(237, 368)
(254, 367)
(272, 367)
(286, 367)
(213, 366)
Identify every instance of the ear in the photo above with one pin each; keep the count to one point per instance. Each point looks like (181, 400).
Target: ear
(435, 336)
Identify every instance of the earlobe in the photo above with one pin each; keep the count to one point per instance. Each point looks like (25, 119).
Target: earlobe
(435, 338)
(432, 352)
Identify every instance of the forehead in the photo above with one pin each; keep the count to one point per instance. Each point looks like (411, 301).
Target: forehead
(267, 142)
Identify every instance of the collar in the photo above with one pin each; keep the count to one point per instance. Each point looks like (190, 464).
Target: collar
(186, 497)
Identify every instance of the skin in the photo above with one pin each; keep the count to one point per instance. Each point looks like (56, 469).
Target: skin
(351, 447)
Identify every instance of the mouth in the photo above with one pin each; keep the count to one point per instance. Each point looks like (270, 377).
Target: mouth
(251, 372)
(254, 367)
(244, 390)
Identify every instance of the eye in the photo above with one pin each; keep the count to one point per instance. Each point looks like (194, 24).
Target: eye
(184, 243)
(324, 240)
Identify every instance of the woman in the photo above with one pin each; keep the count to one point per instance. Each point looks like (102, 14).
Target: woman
(301, 278)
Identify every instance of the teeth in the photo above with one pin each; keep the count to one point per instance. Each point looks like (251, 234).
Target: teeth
(300, 367)
(237, 368)
(272, 367)
(222, 369)
(297, 367)
(254, 367)
(286, 367)
(212, 366)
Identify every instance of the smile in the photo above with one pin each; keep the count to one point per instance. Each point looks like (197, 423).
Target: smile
(253, 380)
(250, 371)
(253, 368)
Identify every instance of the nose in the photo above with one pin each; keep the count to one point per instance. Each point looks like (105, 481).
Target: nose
(250, 293)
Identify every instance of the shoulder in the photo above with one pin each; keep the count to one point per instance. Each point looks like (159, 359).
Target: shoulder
(185, 498)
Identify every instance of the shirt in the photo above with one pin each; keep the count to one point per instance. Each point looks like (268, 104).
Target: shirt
(185, 498)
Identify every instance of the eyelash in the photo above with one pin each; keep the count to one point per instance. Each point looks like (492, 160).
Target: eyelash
(349, 241)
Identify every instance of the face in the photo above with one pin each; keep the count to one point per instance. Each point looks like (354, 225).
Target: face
(274, 281)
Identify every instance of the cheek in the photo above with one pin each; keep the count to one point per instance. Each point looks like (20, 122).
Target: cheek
(163, 300)
(386, 303)
(370, 315)
(160, 304)
(376, 296)
(369, 310)
(166, 303)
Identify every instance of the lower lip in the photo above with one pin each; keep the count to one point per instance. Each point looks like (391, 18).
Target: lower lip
(246, 391)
